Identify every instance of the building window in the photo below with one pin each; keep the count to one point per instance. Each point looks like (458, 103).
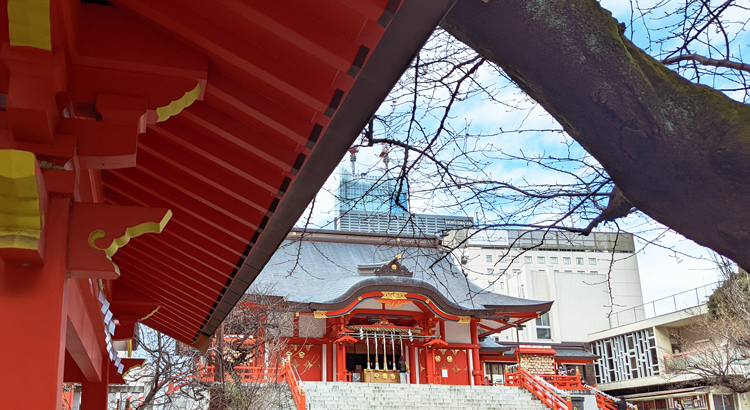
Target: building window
(540, 259)
(579, 261)
(516, 272)
(566, 261)
(502, 258)
(592, 261)
(594, 272)
(553, 259)
(542, 327)
(490, 285)
(490, 271)
(502, 285)
(527, 259)
(489, 258)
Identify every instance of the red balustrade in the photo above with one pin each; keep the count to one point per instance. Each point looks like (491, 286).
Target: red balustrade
(298, 391)
(252, 374)
(564, 382)
(541, 390)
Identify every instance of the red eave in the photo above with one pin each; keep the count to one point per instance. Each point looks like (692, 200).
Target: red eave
(276, 74)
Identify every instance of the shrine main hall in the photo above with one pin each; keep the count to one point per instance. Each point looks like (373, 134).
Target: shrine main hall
(362, 302)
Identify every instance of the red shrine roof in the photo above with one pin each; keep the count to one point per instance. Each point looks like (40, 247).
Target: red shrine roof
(286, 88)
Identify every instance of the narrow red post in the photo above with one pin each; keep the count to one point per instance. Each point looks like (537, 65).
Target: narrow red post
(94, 396)
(478, 370)
(341, 361)
(430, 364)
(34, 310)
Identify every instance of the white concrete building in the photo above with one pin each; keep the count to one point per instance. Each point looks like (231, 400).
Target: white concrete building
(634, 358)
(581, 274)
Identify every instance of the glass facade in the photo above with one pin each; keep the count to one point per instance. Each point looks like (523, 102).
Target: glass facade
(359, 192)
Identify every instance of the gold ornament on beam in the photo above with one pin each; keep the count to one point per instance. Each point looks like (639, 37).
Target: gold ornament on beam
(464, 319)
(394, 295)
(320, 314)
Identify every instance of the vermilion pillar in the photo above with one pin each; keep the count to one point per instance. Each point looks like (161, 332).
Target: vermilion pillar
(478, 369)
(95, 396)
(430, 364)
(34, 317)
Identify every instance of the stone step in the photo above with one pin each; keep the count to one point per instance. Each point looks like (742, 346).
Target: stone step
(361, 396)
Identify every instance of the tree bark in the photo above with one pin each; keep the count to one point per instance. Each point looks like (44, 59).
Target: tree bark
(680, 152)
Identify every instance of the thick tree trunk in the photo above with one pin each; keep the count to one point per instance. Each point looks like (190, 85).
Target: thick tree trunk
(680, 152)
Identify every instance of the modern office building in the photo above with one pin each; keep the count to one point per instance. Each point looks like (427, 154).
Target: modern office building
(372, 204)
(587, 276)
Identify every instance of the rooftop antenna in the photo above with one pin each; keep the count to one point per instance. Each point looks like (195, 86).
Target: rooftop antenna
(353, 158)
(384, 155)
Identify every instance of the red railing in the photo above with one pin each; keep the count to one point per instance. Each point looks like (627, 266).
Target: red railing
(564, 382)
(298, 391)
(251, 374)
(539, 388)
(607, 402)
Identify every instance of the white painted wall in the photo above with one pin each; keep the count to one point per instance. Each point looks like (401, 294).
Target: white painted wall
(457, 332)
(311, 327)
(580, 291)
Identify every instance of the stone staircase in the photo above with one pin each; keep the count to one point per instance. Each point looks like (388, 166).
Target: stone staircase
(357, 396)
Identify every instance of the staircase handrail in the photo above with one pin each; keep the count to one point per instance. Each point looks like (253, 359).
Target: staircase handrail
(295, 384)
(606, 402)
(564, 382)
(550, 395)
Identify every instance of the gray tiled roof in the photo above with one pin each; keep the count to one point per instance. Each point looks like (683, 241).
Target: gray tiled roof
(312, 271)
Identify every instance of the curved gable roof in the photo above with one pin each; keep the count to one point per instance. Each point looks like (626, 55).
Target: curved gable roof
(322, 270)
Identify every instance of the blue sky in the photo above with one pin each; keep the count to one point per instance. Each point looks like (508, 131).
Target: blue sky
(668, 265)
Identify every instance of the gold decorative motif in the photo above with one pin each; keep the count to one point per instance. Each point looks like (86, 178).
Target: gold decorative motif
(308, 347)
(464, 319)
(456, 369)
(394, 295)
(175, 107)
(427, 300)
(295, 363)
(442, 351)
(393, 376)
(377, 375)
(130, 233)
(301, 355)
(308, 365)
(29, 23)
(455, 351)
(438, 359)
(449, 359)
(421, 368)
(359, 298)
(22, 220)
(393, 303)
(320, 314)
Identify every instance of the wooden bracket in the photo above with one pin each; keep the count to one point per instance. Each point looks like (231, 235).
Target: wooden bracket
(97, 231)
